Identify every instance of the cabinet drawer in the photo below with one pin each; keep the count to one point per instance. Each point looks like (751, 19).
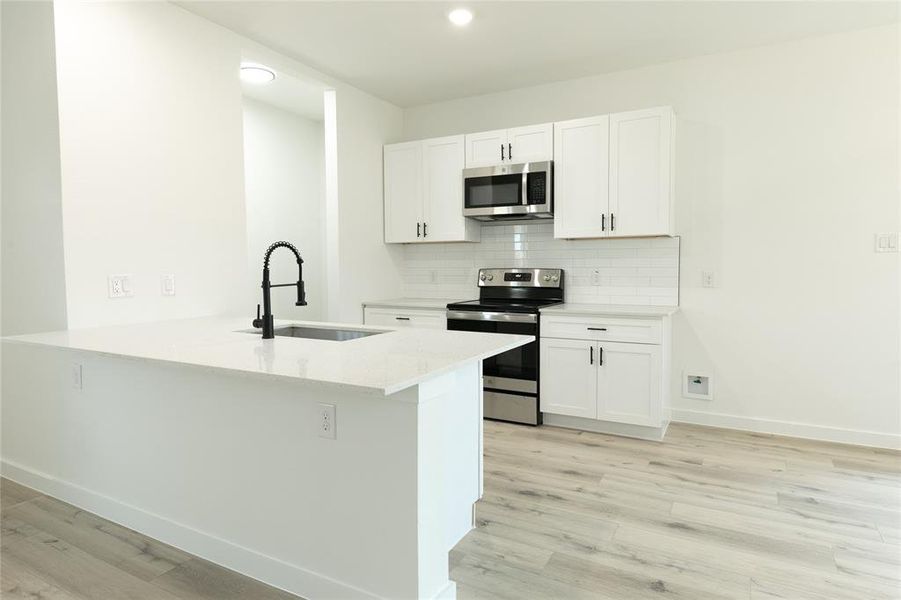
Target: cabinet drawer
(612, 329)
(387, 317)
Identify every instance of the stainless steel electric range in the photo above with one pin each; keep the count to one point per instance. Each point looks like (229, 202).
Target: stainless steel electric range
(509, 302)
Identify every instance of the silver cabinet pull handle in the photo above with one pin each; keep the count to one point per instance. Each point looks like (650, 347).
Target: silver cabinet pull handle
(597, 329)
(611, 221)
(600, 356)
(502, 152)
(402, 318)
(417, 229)
(591, 355)
(604, 222)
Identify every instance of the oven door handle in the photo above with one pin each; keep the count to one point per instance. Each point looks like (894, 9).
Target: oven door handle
(475, 315)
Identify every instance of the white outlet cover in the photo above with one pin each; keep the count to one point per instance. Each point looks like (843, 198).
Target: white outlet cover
(325, 421)
(77, 379)
(708, 279)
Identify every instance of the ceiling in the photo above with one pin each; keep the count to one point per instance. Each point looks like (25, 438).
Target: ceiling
(409, 54)
(299, 96)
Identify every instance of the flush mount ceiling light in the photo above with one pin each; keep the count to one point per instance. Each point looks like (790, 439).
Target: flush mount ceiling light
(460, 16)
(256, 74)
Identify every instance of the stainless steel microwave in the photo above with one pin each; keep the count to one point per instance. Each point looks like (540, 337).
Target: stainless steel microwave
(523, 191)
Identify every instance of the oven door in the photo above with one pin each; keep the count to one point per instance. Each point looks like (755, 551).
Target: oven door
(510, 379)
(519, 364)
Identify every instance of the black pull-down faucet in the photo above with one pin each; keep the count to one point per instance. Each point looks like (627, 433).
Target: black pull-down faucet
(266, 321)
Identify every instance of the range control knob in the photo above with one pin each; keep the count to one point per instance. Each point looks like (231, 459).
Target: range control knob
(554, 278)
(482, 277)
(490, 277)
(547, 277)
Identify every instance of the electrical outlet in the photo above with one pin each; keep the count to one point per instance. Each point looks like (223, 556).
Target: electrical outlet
(167, 284)
(328, 428)
(596, 277)
(707, 279)
(77, 380)
(120, 286)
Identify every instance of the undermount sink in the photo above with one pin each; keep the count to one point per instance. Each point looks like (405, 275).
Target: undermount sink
(320, 333)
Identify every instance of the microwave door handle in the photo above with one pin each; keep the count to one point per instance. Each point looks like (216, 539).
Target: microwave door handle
(525, 187)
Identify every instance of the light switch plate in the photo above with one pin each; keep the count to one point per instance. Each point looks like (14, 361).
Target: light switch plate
(708, 279)
(120, 286)
(167, 284)
(886, 242)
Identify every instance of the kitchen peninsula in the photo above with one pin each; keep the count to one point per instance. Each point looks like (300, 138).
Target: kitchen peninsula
(326, 468)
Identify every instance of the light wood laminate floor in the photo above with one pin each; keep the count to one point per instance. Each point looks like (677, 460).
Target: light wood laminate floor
(708, 513)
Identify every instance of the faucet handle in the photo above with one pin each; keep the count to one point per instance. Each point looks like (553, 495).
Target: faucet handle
(258, 322)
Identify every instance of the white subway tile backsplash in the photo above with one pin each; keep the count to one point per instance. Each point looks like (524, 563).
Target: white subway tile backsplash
(631, 271)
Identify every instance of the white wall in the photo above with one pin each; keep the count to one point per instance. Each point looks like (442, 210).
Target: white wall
(787, 164)
(359, 265)
(283, 182)
(367, 267)
(151, 151)
(150, 127)
(33, 274)
(631, 271)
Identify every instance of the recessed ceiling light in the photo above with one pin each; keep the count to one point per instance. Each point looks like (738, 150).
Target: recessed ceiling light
(460, 16)
(256, 74)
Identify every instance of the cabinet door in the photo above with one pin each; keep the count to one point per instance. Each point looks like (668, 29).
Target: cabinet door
(530, 144)
(629, 382)
(580, 177)
(568, 377)
(640, 172)
(442, 170)
(484, 149)
(403, 191)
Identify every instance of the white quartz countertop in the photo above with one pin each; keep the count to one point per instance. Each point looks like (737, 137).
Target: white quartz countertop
(610, 310)
(384, 364)
(422, 303)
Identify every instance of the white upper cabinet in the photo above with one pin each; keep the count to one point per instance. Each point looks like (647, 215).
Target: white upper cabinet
(403, 192)
(613, 175)
(530, 144)
(581, 155)
(424, 192)
(523, 144)
(484, 149)
(442, 170)
(641, 181)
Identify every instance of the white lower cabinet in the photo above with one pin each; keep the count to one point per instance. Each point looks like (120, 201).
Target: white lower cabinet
(628, 388)
(421, 318)
(598, 383)
(569, 378)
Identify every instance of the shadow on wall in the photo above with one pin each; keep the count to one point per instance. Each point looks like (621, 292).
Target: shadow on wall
(700, 222)
(284, 185)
